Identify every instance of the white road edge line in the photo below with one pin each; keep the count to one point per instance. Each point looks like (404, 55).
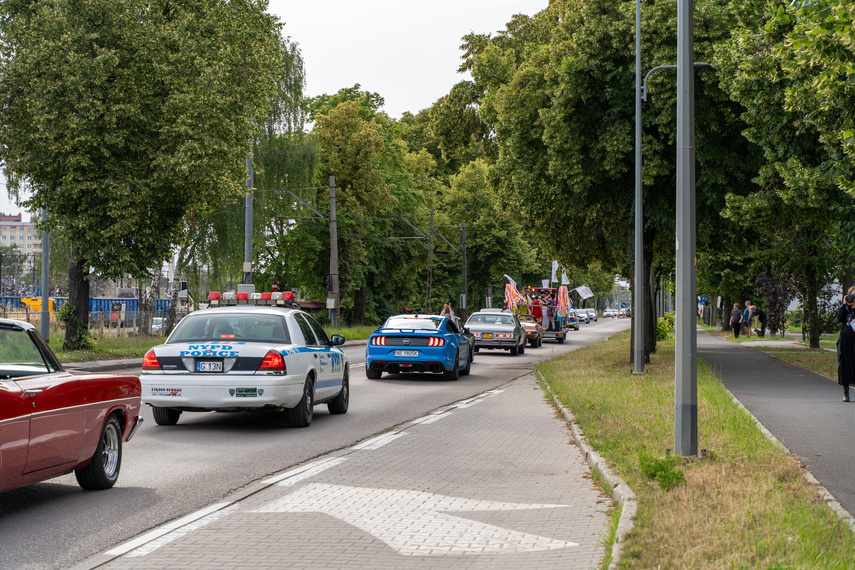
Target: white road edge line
(157, 533)
(379, 441)
(321, 465)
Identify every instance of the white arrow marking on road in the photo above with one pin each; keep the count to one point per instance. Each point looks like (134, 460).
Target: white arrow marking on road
(415, 523)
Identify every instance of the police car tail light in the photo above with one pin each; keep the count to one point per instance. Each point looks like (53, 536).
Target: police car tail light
(379, 341)
(150, 361)
(436, 341)
(273, 361)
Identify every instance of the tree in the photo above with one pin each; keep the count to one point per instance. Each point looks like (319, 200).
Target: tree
(558, 94)
(801, 201)
(125, 116)
(351, 148)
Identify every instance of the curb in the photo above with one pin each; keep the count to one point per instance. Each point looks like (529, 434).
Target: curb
(621, 492)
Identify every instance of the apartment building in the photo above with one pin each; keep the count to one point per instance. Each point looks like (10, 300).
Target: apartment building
(21, 234)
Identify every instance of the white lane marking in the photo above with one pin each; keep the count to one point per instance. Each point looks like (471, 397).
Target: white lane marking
(413, 522)
(304, 472)
(469, 403)
(166, 529)
(380, 440)
(178, 533)
(431, 418)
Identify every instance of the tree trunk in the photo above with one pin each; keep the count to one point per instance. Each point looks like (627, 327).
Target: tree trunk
(78, 296)
(813, 310)
(725, 313)
(359, 305)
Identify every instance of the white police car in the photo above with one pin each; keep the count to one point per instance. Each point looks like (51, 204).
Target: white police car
(243, 358)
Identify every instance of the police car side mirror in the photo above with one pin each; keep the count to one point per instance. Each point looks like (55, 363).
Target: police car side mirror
(337, 340)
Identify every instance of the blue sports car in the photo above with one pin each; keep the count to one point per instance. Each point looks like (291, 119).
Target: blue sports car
(419, 343)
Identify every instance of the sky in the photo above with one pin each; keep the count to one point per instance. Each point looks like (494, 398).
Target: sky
(408, 51)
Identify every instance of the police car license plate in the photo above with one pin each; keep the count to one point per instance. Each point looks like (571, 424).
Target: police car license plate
(406, 353)
(209, 366)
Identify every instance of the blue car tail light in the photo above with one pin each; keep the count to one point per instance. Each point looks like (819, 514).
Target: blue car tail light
(436, 341)
(379, 341)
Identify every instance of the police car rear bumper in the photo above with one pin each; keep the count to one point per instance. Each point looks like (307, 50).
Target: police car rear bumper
(222, 392)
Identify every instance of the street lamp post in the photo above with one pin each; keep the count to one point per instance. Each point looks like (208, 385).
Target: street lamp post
(685, 385)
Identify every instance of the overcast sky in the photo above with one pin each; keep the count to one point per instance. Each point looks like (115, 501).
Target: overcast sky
(408, 51)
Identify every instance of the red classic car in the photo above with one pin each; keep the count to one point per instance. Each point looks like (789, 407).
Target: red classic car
(53, 422)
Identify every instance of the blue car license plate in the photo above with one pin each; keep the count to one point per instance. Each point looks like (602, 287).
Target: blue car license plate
(406, 353)
(209, 366)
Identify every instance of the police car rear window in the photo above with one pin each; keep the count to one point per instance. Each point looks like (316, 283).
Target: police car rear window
(231, 328)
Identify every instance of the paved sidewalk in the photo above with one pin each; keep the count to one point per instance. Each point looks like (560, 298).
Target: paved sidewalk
(492, 482)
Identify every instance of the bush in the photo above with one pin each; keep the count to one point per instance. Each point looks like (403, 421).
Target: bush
(664, 325)
(663, 471)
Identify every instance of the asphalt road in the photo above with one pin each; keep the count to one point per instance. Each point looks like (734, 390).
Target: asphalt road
(169, 471)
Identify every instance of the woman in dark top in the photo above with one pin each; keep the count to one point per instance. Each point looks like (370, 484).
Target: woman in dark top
(846, 344)
(736, 319)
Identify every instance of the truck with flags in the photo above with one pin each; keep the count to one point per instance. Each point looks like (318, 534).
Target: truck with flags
(552, 307)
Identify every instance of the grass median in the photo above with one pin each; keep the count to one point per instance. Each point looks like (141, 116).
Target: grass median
(746, 505)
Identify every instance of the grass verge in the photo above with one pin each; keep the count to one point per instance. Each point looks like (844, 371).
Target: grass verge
(745, 505)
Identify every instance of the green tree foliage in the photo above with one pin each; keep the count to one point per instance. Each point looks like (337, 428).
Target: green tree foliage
(801, 202)
(124, 116)
(558, 93)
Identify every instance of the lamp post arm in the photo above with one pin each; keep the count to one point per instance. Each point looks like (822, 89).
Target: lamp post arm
(643, 94)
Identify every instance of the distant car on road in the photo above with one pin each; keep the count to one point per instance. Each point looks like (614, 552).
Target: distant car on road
(533, 330)
(419, 343)
(583, 316)
(592, 314)
(610, 313)
(53, 422)
(246, 358)
(573, 320)
(497, 329)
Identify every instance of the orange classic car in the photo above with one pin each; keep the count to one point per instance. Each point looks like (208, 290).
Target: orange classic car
(53, 422)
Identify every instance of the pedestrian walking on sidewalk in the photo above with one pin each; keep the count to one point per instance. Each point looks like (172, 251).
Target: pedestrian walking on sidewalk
(846, 343)
(736, 319)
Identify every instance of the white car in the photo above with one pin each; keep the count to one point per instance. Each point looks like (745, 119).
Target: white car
(246, 358)
(610, 313)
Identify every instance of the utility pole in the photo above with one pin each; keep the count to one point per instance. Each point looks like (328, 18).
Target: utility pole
(685, 366)
(45, 319)
(336, 309)
(247, 224)
(430, 264)
(462, 307)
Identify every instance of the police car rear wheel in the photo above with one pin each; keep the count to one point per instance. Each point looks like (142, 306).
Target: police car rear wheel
(165, 416)
(301, 415)
(339, 404)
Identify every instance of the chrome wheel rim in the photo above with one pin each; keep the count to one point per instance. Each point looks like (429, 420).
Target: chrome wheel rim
(110, 453)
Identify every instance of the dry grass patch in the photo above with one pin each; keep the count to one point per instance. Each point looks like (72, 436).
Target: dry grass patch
(745, 505)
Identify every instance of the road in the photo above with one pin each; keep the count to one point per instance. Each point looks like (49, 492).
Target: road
(169, 471)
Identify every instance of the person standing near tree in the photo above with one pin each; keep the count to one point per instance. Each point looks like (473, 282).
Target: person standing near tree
(747, 318)
(846, 343)
(736, 320)
(762, 318)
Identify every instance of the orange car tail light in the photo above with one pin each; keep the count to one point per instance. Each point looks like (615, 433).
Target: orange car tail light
(150, 361)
